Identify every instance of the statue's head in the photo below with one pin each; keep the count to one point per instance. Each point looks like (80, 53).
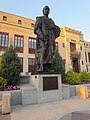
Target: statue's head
(46, 10)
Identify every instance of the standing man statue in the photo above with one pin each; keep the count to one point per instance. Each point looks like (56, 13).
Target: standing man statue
(46, 32)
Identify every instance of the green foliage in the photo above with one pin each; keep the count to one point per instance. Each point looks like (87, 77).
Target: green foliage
(0, 62)
(10, 66)
(3, 83)
(85, 77)
(72, 78)
(58, 64)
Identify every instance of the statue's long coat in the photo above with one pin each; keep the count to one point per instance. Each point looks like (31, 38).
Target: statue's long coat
(45, 47)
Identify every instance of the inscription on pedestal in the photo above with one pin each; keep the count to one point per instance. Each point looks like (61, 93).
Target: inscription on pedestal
(50, 83)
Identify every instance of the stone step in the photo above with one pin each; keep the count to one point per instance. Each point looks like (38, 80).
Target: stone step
(29, 94)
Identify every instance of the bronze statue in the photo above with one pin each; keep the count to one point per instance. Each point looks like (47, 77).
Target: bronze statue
(46, 32)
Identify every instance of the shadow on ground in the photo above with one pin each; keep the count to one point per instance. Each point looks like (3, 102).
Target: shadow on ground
(78, 115)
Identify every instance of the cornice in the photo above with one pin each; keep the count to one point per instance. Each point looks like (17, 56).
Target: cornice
(17, 25)
(72, 30)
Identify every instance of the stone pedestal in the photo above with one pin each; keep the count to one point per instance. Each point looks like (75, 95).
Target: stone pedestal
(49, 87)
(82, 91)
(6, 103)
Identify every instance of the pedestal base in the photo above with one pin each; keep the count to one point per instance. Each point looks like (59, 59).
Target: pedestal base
(49, 87)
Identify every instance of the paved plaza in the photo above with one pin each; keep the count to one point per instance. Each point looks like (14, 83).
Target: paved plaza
(49, 111)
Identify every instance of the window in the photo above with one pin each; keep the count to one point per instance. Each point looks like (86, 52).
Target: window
(31, 45)
(21, 60)
(87, 67)
(4, 38)
(32, 24)
(19, 22)
(81, 48)
(89, 57)
(86, 56)
(4, 18)
(72, 47)
(31, 63)
(87, 44)
(19, 43)
(82, 62)
(63, 44)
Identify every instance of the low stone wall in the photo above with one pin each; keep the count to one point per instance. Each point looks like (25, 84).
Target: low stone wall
(65, 91)
(16, 96)
(72, 90)
(28, 94)
(87, 85)
(68, 91)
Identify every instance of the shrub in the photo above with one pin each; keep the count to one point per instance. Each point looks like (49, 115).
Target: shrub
(3, 83)
(72, 78)
(85, 77)
(10, 66)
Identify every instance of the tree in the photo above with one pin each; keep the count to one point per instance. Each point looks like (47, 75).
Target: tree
(58, 64)
(10, 66)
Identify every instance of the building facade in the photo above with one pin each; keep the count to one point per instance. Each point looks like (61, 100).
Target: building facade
(85, 51)
(19, 32)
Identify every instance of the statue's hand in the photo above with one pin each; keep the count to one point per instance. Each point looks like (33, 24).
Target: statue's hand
(41, 36)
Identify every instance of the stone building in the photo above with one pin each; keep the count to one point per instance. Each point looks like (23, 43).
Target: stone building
(18, 31)
(85, 56)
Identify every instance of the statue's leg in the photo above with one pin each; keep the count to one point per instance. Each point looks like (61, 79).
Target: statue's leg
(41, 56)
(48, 67)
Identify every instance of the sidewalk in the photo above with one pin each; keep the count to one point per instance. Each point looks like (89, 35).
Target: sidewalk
(49, 111)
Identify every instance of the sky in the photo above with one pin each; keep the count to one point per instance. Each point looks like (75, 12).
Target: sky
(74, 14)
